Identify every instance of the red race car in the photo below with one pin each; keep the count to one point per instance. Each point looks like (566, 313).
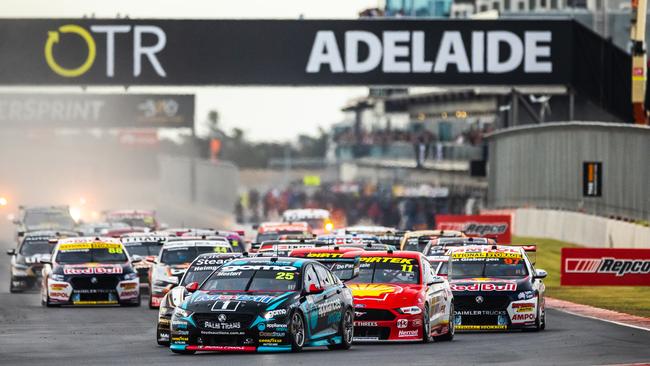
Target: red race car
(397, 297)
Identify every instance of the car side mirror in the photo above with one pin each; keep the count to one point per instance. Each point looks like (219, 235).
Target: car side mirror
(315, 290)
(540, 273)
(255, 226)
(152, 260)
(11, 251)
(136, 259)
(436, 280)
(45, 261)
(21, 234)
(192, 286)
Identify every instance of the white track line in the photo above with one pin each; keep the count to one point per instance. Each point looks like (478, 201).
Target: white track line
(602, 320)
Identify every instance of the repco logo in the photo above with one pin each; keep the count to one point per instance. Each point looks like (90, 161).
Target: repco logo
(140, 51)
(485, 229)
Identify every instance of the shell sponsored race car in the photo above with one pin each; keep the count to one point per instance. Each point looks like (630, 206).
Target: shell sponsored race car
(90, 271)
(496, 288)
(398, 298)
(174, 259)
(197, 272)
(26, 258)
(146, 247)
(266, 305)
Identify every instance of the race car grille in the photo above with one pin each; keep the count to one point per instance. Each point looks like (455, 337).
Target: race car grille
(373, 314)
(221, 340)
(468, 302)
(102, 282)
(480, 319)
(96, 296)
(243, 319)
(380, 333)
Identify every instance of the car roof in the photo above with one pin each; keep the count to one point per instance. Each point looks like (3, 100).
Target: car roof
(212, 242)
(306, 213)
(331, 249)
(396, 254)
(90, 239)
(283, 226)
(486, 248)
(275, 260)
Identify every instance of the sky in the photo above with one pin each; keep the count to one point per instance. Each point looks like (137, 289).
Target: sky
(279, 113)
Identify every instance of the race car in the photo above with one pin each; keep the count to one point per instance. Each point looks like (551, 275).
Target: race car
(418, 240)
(370, 230)
(360, 239)
(198, 271)
(318, 219)
(236, 238)
(43, 218)
(90, 271)
(174, 258)
(25, 259)
(496, 287)
(265, 305)
(397, 297)
(440, 246)
(146, 247)
(282, 248)
(134, 218)
(273, 230)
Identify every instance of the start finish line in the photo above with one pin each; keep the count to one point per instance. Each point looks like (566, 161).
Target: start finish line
(285, 52)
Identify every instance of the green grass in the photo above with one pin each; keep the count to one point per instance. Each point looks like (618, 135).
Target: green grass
(626, 299)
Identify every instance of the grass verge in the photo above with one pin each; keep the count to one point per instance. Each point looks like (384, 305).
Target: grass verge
(627, 299)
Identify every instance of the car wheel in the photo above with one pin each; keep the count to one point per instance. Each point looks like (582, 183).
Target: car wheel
(426, 325)
(541, 317)
(151, 303)
(297, 331)
(452, 328)
(13, 289)
(346, 331)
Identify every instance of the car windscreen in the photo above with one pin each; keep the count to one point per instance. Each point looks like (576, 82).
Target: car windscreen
(254, 277)
(143, 249)
(417, 244)
(315, 223)
(195, 276)
(180, 255)
(90, 252)
(388, 270)
(443, 269)
(33, 247)
(48, 219)
(513, 266)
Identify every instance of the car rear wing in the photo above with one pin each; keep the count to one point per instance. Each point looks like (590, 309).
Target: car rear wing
(531, 251)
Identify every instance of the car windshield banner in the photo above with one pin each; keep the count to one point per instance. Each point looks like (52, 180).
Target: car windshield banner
(605, 267)
(497, 227)
(291, 52)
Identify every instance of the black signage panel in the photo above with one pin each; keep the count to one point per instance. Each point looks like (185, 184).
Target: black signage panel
(284, 52)
(592, 181)
(96, 110)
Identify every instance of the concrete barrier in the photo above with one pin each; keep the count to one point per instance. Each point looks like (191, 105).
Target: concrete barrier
(579, 228)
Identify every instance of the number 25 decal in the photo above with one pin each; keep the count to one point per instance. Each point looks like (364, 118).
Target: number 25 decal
(288, 276)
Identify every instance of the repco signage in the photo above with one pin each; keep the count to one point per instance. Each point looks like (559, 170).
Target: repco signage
(491, 226)
(292, 52)
(607, 267)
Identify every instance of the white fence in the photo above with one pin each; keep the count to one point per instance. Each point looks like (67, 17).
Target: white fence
(579, 228)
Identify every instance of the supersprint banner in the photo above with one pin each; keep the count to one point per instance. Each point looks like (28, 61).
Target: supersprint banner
(285, 52)
(605, 267)
(497, 227)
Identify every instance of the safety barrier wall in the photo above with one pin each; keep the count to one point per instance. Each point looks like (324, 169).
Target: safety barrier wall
(198, 182)
(542, 166)
(579, 228)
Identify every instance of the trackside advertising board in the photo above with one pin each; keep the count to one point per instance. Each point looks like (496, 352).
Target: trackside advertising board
(491, 226)
(605, 267)
(285, 52)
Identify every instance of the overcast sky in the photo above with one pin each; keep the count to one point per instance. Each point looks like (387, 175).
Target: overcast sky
(264, 113)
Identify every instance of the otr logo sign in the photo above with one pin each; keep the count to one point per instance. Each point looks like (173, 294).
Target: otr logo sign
(140, 51)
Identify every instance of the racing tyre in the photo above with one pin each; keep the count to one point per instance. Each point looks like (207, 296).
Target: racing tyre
(13, 289)
(452, 328)
(346, 332)
(540, 322)
(297, 331)
(426, 325)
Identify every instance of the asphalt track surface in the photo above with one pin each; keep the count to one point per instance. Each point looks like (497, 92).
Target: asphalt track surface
(34, 335)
